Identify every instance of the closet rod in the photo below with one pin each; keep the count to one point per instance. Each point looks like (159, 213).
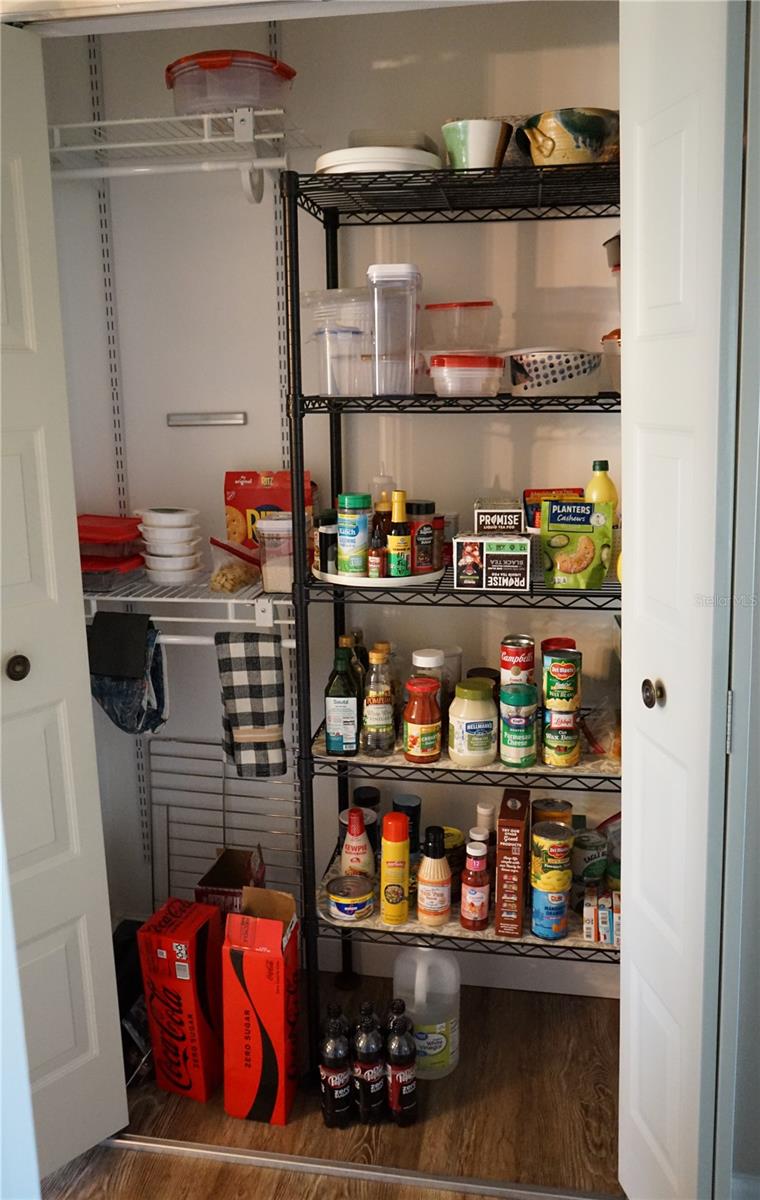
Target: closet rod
(181, 639)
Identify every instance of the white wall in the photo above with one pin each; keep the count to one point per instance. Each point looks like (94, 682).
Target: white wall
(195, 287)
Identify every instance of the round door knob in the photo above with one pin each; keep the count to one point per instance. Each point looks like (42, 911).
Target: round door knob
(17, 667)
(659, 692)
(648, 693)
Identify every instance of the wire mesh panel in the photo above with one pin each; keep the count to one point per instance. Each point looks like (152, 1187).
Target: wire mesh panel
(447, 197)
(201, 806)
(441, 594)
(604, 402)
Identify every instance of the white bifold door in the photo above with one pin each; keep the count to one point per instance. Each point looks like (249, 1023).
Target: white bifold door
(51, 805)
(682, 78)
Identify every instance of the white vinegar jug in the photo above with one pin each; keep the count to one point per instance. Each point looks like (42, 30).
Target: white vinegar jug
(428, 983)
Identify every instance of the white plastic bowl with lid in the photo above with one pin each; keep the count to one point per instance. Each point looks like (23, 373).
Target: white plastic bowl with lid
(466, 374)
(220, 80)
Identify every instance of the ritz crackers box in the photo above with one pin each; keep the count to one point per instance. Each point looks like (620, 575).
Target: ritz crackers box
(511, 860)
(260, 1000)
(181, 957)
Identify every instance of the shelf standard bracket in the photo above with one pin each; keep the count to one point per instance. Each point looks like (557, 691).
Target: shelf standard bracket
(263, 612)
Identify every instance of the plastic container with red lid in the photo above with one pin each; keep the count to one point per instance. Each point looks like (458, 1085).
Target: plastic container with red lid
(466, 374)
(463, 324)
(220, 80)
(104, 574)
(108, 537)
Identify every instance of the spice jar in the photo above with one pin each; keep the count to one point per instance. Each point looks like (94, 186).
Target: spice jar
(473, 913)
(422, 721)
(519, 704)
(473, 725)
(421, 514)
(354, 517)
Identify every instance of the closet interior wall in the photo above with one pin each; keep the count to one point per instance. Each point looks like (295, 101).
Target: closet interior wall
(195, 293)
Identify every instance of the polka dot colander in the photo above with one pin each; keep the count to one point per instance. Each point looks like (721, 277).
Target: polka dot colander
(533, 371)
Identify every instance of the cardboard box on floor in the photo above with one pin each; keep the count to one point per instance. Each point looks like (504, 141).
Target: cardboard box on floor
(233, 870)
(260, 1001)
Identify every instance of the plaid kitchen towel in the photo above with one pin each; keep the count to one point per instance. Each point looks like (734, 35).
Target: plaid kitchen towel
(253, 702)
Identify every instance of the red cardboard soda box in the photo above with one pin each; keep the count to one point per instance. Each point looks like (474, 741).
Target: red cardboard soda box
(181, 958)
(260, 1001)
(511, 859)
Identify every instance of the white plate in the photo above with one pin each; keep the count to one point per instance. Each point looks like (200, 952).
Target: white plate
(174, 578)
(168, 562)
(167, 518)
(362, 581)
(406, 139)
(376, 158)
(154, 533)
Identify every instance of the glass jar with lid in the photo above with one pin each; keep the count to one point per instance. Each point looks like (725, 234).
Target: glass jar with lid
(473, 725)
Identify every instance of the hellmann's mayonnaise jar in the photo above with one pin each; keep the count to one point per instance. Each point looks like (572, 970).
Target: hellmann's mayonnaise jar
(473, 725)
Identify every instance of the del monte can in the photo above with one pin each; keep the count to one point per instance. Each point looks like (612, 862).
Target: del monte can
(562, 680)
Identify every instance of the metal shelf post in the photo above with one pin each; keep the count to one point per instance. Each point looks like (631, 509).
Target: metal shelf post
(289, 200)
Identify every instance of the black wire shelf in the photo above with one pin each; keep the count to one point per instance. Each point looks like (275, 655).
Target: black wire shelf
(604, 402)
(594, 773)
(458, 197)
(453, 937)
(441, 594)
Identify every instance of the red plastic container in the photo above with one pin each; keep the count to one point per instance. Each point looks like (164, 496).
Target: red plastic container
(221, 80)
(108, 537)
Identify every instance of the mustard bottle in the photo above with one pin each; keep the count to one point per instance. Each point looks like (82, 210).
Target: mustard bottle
(394, 870)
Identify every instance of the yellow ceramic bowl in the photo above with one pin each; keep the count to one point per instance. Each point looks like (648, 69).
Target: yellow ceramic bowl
(572, 135)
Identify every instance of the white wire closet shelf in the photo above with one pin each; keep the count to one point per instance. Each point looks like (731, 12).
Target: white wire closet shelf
(250, 606)
(245, 139)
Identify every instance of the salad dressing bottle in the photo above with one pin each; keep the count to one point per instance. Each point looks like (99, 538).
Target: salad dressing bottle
(434, 880)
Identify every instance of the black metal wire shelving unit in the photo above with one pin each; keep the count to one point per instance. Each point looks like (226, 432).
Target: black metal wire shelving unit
(422, 198)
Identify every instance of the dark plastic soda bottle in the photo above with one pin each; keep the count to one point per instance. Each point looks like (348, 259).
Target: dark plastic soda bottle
(367, 1009)
(369, 1069)
(335, 1075)
(397, 1008)
(401, 1054)
(335, 1013)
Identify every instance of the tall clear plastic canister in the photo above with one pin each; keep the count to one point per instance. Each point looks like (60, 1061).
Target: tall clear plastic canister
(395, 289)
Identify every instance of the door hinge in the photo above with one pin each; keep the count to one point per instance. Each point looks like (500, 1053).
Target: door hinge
(729, 721)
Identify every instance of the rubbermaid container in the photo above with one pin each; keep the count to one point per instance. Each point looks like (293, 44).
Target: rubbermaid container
(220, 80)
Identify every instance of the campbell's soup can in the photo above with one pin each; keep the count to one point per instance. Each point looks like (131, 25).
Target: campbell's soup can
(518, 659)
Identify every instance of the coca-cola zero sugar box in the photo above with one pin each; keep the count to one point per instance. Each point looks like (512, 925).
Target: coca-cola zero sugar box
(260, 1002)
(511, 860)
(181, 961)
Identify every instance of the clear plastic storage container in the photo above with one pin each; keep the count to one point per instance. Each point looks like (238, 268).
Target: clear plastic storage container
(276, 542)
(103, 574)
(220, 80)
(342, 321)
(466, 374)
(395, 293)
(463, 324)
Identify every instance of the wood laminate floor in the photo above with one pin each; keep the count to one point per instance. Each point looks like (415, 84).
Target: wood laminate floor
(534, 1101)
